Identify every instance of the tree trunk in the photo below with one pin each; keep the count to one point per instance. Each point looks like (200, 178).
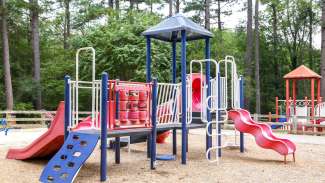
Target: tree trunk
(257, 59)
(66, 23)
(219, 15)
(177, 6)
(117, 5)
(170, 7)
(323, 49)
(207, 14)
(219, 36)
(311, 22)
(277, 72)
(5, 57)
(294, 58)
(36, 52)
(131, 4)
(249, 53)
(111, 4)
(151, 7)
(117, 8)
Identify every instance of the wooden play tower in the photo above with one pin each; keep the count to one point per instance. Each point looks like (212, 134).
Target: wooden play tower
(301, 107)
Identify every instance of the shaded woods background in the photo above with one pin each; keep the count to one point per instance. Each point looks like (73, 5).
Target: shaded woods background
(113, 28)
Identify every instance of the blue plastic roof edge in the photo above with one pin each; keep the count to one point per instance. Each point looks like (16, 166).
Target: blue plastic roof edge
(165, 29)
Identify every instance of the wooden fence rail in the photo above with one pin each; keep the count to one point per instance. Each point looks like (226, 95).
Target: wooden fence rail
(28, 117)
(24, 118)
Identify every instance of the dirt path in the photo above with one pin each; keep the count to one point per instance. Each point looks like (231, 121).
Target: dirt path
(255, 165)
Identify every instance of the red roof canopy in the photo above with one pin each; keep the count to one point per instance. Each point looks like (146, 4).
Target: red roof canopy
(302, 72)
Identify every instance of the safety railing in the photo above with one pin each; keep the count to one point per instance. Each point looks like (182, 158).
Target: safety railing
(204, 86)
(236, 101)
(189, 99)
(168, 104)
(229, 62)
(320, 109)
(76, 116)
(223, 92)
(94, 86)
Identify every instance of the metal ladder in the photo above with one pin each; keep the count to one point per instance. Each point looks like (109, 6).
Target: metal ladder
(217, 121)
(220, 104)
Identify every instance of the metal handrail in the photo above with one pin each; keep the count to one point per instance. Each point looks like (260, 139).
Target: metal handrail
(93, 80)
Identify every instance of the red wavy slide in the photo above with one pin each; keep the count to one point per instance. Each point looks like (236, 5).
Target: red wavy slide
(262, 133)
(47, 144)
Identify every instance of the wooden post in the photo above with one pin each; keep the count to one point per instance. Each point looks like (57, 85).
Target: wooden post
(318, 92)
(277, 109)
(9, 118)
(287, 97)
(294, 124)
(255, 116)
(43, 117)
(289, 106)
(308, 114)
(312, 102)
(294, 96)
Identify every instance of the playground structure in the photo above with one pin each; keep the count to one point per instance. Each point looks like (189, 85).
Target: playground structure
(304, 110)
(120, 108)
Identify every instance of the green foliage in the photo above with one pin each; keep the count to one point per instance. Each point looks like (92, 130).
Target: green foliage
(23, 106)
(121, 49)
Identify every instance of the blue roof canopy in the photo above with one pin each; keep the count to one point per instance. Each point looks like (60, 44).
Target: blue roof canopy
(170, 29)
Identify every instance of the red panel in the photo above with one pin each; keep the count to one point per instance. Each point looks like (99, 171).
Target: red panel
(134, 105)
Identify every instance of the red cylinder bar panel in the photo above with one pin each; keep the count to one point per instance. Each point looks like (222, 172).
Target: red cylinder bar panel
(132, 107)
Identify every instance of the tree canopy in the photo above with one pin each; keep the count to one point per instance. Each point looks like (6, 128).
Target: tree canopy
(114, 29)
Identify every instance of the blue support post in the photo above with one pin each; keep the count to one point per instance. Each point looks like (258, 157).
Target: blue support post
(67, 102)
(148, 59)
(184, 97)
(174, 142)
(241, 136)
(103, 137)
(219, 115)
(154, 125)
(174, 81)
(174, 61)
(149, 146)
(148, 77)
(117, 150)
(117, 144)
(208, 83)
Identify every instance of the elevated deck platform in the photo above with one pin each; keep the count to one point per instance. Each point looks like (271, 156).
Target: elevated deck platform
(178, 126)
(142, 131)
(119, 133)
